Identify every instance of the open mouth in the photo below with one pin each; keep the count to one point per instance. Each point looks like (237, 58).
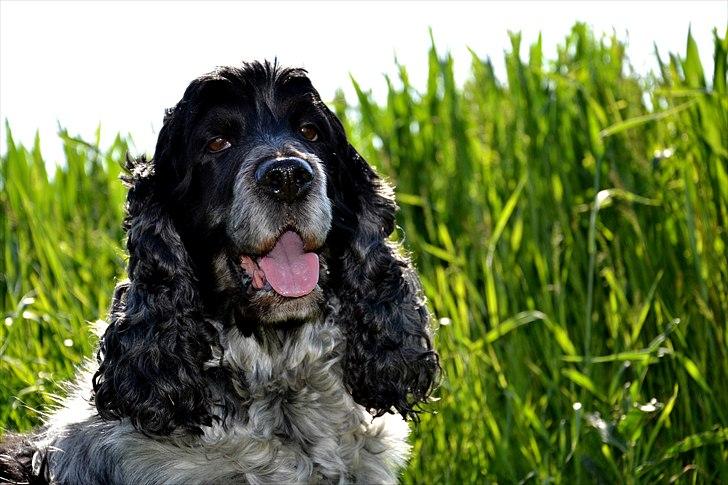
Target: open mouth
(287, 269)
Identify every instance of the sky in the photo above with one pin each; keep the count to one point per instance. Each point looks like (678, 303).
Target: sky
(121, 63)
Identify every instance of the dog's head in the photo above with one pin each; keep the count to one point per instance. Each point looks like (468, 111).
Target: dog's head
(245, 157)
(256, 210)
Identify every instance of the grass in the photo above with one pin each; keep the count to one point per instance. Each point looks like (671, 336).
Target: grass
(569, 225)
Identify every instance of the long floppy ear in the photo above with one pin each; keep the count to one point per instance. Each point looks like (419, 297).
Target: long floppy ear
(152, 354)
(389, 362)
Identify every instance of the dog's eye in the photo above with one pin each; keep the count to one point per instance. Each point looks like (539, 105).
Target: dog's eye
(217, 144)
(309, 132)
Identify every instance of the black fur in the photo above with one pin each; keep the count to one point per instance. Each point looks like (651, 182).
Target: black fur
(390, 361)
(151, 354)
(16, 461)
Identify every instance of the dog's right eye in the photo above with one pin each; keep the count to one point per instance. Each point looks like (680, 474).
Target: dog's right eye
(217, 144)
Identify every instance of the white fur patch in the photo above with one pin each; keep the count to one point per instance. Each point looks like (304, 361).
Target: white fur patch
(298, 425)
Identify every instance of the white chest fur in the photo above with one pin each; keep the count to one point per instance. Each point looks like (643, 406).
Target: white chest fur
(298, 425)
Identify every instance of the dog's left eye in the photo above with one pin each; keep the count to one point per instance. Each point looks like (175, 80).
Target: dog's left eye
(308, 131)
(217, 144)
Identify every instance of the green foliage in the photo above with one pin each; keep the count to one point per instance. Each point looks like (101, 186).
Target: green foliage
(61, 253)
(569, 225)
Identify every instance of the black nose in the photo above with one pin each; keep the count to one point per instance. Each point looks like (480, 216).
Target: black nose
(285, 178)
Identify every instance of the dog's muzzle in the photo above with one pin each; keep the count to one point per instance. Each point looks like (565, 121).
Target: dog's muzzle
(280, 218)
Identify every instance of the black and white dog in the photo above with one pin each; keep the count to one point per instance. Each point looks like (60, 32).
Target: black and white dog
(268, 331)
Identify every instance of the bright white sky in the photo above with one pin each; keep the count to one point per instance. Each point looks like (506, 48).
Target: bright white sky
(122, 63)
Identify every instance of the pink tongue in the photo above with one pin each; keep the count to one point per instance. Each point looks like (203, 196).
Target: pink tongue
(289, 270)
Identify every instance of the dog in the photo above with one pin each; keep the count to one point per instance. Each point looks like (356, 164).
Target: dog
(268, 331)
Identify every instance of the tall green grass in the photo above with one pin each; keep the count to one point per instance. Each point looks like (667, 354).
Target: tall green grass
(569, 225)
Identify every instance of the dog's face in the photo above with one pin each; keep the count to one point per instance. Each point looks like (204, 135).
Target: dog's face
(253, 154)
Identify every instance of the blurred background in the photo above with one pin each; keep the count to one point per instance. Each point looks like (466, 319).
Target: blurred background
(562, 172)
(119, 64)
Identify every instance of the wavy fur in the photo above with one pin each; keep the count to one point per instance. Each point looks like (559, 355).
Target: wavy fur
(151, 355)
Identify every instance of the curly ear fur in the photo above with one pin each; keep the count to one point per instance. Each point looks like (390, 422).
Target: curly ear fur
(151, 356)
(390, 362)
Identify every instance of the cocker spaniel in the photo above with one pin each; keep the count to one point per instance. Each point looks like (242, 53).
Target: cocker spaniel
(268, 332)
